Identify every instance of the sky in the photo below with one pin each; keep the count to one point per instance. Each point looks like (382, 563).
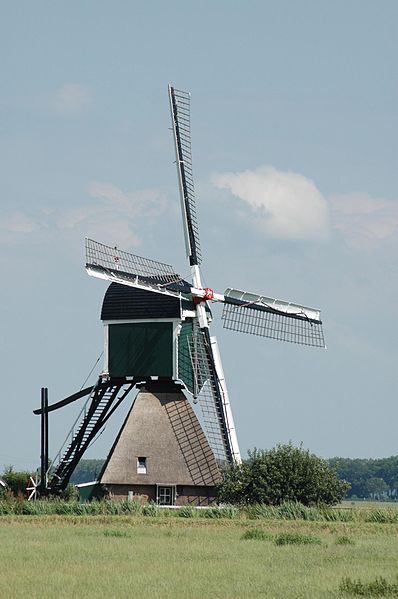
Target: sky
(294, 130)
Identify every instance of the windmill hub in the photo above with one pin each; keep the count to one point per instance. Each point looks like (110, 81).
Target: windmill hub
(208, 295)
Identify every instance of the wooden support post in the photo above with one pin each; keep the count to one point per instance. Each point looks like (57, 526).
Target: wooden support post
(44, 440)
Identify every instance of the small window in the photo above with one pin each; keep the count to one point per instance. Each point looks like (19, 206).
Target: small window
(141, 465)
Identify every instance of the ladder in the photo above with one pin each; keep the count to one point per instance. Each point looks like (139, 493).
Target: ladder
(100, 405)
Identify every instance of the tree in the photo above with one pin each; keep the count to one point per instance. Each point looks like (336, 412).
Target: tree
(86, 471)
(284, 473)
(376, 487)
(360, 471)
(17, 481)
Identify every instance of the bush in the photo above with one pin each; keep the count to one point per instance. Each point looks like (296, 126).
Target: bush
(282, 474)
(17, 481)
(376, 588)
(150, 509)
(344, 540)
(257, 534)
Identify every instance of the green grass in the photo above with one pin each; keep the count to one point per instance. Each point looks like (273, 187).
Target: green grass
(67, 556)
(369, 512)
(296, 538)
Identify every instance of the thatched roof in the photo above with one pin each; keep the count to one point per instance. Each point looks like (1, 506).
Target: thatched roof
(163, 428)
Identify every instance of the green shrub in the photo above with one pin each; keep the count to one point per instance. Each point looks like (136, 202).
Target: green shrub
(6, 507)
(296, 538)
(376, 588)
(134, 506)
(150, 509)
(17, 481)
(345, 540)
(258, 534)
(282, 474)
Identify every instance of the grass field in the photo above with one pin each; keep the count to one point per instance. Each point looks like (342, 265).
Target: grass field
(196, 558)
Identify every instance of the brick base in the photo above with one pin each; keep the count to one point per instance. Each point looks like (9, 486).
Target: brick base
(186, 495)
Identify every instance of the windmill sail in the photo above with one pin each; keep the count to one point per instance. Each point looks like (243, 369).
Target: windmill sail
(113, 259)
(210, 394)
(180, 115)
(112, 264)
(272, 318)
(211, 391)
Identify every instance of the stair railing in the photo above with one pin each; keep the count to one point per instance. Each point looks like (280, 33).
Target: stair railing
(71, 434)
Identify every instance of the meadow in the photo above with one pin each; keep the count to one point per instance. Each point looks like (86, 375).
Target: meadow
(231, 555)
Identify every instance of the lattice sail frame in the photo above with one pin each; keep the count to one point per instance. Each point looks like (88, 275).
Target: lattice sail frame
(205, 390)
(180, 103)
(275, 319)
(112, 264)
(113, 259)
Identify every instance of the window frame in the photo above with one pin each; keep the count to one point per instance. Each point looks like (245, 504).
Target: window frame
(142, 465)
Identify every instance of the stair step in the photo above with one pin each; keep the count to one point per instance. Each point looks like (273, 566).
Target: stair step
(84, 432)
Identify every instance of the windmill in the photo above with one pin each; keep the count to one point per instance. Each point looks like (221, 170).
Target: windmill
(157, 338)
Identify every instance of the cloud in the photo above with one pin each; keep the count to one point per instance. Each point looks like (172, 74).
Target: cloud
(71, 100)
(15, 226)
(17, 222)
(365, 222)
(137, 203)
(285, 204)
(112, 216)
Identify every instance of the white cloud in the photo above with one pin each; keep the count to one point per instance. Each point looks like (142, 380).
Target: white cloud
(112, 216)
(285, 204)
(17, 222)
(71, 99)
(15, 226)
(364, 221)
(136, 203)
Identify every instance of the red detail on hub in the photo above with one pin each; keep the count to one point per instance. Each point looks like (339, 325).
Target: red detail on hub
(209, 295)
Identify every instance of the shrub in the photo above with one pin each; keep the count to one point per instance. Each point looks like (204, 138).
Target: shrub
(150, 509)
(17, 481)
(376, 588)
(344, 540)
(283, 474)
(258, 534)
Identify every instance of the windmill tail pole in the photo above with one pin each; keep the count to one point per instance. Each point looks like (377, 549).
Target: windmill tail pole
(44, 440)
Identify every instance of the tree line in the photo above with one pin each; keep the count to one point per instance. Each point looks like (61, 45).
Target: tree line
(272, 476)
(369, 478)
